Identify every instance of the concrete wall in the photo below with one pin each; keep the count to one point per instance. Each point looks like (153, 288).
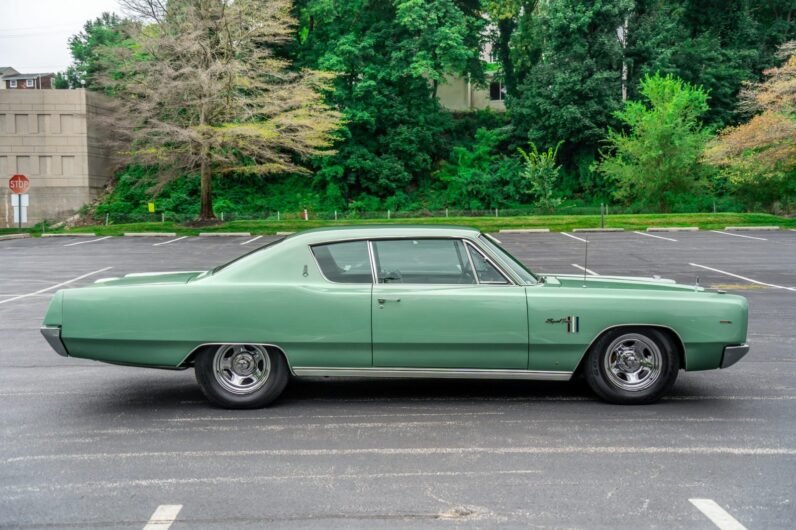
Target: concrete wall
(53, 138)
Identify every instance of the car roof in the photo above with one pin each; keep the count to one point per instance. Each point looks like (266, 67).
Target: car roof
(337, 233)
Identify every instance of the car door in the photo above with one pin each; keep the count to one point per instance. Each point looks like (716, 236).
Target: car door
(431, 308)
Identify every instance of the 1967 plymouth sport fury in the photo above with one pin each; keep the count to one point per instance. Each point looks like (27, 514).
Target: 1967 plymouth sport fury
(398, 301)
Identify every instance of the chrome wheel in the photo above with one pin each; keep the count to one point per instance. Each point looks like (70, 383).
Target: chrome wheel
(633, 362)
(241, 368)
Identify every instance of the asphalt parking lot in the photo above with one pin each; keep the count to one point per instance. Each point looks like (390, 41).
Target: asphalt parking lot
(87, 445)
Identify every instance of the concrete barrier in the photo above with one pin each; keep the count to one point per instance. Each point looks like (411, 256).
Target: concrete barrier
(673, 229)
(598, 230)
(524, 231)
(14, 236)
(284, 233)
(224, 234)
(71, 234)
(742, 228)
(150, 234)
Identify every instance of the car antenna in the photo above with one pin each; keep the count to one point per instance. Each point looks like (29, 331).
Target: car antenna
(585, 262)
(696, 283)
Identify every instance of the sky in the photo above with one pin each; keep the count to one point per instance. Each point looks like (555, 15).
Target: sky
(34, 33)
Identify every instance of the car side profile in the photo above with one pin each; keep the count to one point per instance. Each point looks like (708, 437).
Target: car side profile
(398, 301)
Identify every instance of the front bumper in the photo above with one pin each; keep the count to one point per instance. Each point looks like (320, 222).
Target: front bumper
(53, 336)
(733, 354)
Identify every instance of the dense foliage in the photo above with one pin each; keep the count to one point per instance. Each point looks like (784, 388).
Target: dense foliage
(594, 75)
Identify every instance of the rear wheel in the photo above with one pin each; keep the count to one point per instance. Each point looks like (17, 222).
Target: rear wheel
(632, 366)
(241, 376)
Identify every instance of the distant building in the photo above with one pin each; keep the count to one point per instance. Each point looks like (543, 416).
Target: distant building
(460, 94)
(28, 81)
(4, 71)
(54, 138)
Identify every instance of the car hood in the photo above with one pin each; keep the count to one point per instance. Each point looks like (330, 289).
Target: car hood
(150, 278)
(617, 282)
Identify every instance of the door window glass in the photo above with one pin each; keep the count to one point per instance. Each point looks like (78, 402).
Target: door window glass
(440, 261)
(486, 271)
(346, 262)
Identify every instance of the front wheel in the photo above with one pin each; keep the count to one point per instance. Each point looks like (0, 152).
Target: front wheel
(632, 366)
(241, 376)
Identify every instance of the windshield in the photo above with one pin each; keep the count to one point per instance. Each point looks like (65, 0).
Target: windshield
(227, 264)
(510, 261)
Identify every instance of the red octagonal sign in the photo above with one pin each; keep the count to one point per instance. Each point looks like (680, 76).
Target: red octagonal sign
(19, 184)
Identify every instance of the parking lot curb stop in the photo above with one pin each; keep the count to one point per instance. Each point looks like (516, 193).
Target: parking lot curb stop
(150, 234)
(673, 229)
(598, 230)
(74, 234)
(742, 228)
(223, 234)
(524, 231)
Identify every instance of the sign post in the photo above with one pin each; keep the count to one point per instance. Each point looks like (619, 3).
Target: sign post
(19, 184)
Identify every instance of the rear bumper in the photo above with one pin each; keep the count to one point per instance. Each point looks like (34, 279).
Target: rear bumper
(53, 336)
(733, 354)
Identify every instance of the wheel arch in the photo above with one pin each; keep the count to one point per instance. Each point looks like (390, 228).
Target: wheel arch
(189, 359)
(673, 336)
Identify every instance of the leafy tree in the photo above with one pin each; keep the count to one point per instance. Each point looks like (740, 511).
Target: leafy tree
(542, 172)
(389, 57)
(658, 159)
(202, 90)
(759, 156)
(86, 47)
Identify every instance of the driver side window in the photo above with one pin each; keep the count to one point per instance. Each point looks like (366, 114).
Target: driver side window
(423, 261)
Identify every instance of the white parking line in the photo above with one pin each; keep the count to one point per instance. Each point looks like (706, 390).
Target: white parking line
(584, 269)
(252, 240)
(84, 242)
(56, 286)
(717, 514)
(743, 277)
(163, 517)
(574, 237)
(738, 235)
(656, 237)
(169, 241)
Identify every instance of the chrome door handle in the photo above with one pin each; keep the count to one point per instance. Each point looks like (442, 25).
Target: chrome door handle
(384, 300)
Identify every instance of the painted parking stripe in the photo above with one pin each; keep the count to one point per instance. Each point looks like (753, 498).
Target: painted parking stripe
(738, 235)
(169, 241)
(584, 269)
(56, 286)
(89, 241)
(717, 514)
(656, 237)
(574, 237)
(252, 240)
(775, 286)
(163, 517)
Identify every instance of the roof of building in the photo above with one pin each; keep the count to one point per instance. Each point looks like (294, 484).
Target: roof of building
(20, 77)
(7, 70)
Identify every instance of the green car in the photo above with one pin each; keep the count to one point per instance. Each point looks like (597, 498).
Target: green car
(398, 301)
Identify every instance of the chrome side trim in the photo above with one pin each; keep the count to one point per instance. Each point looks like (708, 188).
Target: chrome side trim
(733, 354)
(53, 336)
(441, 373)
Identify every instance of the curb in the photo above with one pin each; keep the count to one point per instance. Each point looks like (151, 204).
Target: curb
(224, 234)
(76, 234)
(742, 228)
(14, 236)
(598, 230)
(673, 229)
(284, 233)
(150, 234)
(524, 231)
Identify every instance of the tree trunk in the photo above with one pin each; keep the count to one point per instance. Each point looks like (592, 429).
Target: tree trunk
(207, 191)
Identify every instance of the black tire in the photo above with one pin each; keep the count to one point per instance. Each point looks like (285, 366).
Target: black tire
(658, 365)
(262, 391)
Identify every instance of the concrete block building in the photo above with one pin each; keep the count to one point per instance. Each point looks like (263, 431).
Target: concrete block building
(53, 137)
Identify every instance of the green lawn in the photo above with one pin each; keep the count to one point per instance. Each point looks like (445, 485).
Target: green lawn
(704, 221)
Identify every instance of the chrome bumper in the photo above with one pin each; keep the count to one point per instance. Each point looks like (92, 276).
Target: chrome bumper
(53, 336)
(733, 354)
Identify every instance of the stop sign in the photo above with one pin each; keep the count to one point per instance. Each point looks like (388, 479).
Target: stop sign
(19, 184)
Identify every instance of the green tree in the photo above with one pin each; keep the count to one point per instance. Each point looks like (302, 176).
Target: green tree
(658, 159)
(203, 91)
(541, 171)
(86, 48)
(389, 57)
